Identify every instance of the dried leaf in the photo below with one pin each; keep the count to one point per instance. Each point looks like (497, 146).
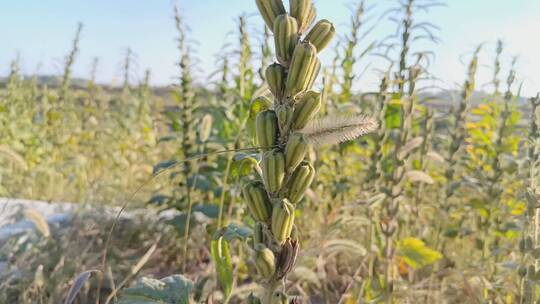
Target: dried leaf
(436, 157)
(78, 283)
(409, 147)
(419, 176)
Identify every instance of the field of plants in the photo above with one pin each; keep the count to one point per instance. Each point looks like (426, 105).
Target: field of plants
(278, 180)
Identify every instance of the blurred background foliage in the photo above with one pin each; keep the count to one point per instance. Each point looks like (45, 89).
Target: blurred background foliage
(437, 206)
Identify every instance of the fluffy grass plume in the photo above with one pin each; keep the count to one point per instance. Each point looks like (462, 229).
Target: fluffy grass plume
(331, 130)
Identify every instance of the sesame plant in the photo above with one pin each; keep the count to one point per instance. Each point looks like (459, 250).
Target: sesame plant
(528, 243)
(456, 143)
(285, 131)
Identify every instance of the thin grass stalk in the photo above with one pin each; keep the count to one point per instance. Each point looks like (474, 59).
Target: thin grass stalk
(349, 58)
(127, 71)
(245, 77)
(381, 135)
(389, 225)
(529, 238)
(497, 68)
(244, 90)
(427, 136)
(68, 65)
(494, 190)
(457, 137)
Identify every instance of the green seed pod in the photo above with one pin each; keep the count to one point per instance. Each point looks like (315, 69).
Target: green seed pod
(279, 297)
(301, 70)
(265, 262)
(285, 116)
(267, 128)
(304, 12)
(273, 170)
(282, 220)
(300, 181)
(306, 109)
(311, 17)
(275, 77)
(321, 34)
(295, 151)
(257, 201)
(313, 73)
(270, 9)
(285, 37)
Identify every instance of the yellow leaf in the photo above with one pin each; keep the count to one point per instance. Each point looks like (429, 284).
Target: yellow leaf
(416, 254)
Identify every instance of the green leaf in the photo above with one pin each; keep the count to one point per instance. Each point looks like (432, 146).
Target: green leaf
(416, 254)
(258, 105)
(451, 232)
(233, 231)
(200, 182)
(159, 199)
(243, 165)
(175, 289)
(393, 115)
(210, 210)
(164, 165)
(179, 222)
(480, 206)
(167, 138)
(222, 259)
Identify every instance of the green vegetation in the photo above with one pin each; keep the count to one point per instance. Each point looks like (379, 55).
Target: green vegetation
(257, 189)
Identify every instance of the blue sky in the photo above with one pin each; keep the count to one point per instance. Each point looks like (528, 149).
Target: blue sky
(41, 31)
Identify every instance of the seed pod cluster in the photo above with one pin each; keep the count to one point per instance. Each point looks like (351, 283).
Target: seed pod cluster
(285, 172)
